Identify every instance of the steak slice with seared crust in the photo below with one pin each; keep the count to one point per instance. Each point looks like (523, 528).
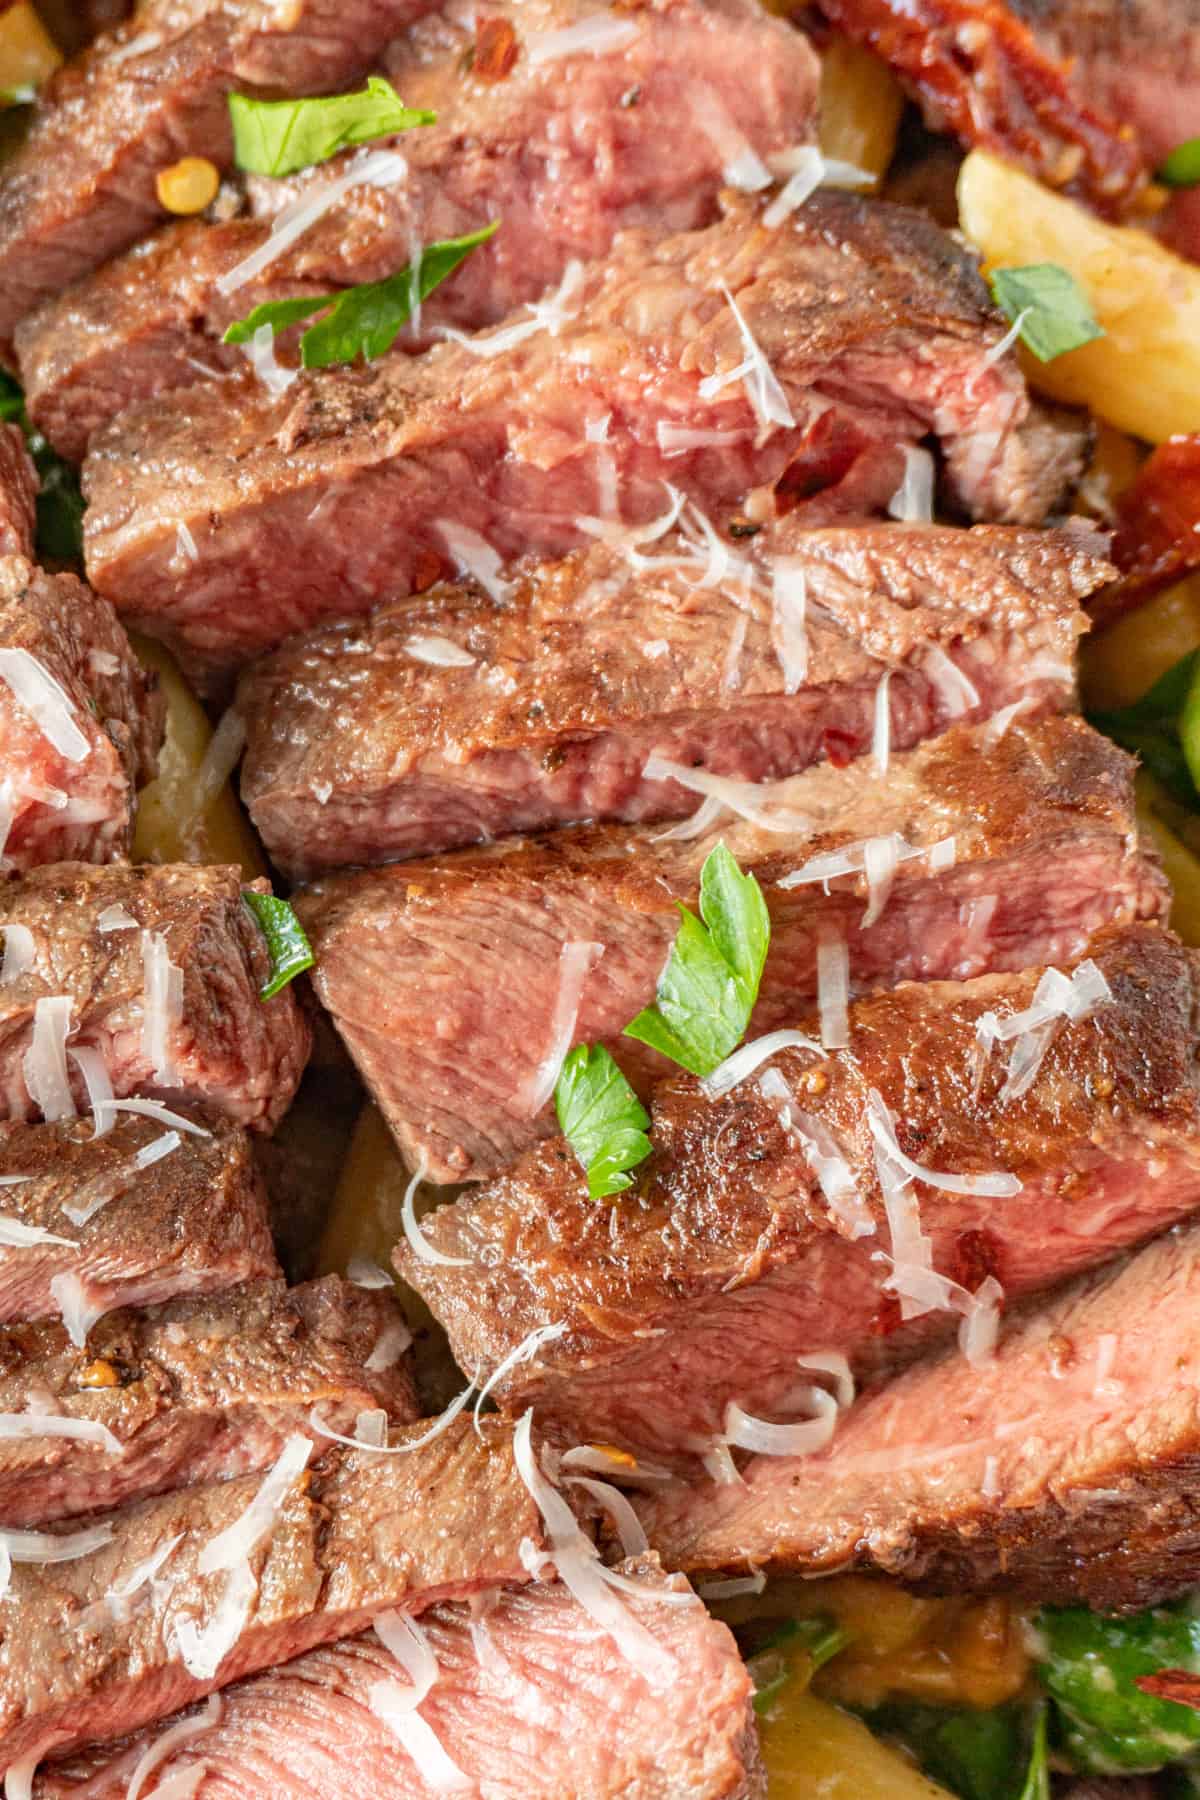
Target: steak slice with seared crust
(357, 1535)
(69, 773)
(729, 1261)
(1064, 1469)
(172, 1004)
(82, 184)
(192, 1221)
(869, 325)
(361, 752)
(510, 143)
(18, 493)
(443, 977)
(531, 1702)
(193, 1391)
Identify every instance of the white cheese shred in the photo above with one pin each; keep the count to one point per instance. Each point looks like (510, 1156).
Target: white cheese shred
(165, 1746)
(912, 502)
(45, 1062)
(398, 1707)
(576, 959)
(804, 1438)
(751, 1056)
(524, 1352)
(440, 1424)
(439, 652)
(417, 1242)
(24, 1426)
(46, 701)
(789, 622)
(833, 989)
(755, 801)
(162, 1007)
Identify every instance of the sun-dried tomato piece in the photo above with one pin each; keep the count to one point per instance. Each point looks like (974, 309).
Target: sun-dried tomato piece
(1158, 523)
(1179, 1685)
(980, 73)
(495, 49)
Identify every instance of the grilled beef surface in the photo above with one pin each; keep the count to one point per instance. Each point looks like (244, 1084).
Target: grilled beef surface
(734, 1261)
(531, 1703)
(193, 1221)
(194, 1391)
(225, 1049)
(18, 494)
(357, 1535)
(357, 485)
(82, 185)
(567, 150)
(443, 976)
(70, 776)
(1063, 1469)
(360, 752)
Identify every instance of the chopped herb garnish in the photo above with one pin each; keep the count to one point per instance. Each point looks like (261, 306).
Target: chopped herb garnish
(1182, 167)
(363, 320)
(1037, 1779)
(1054, 312)
(289, 949)
(602, 1119)
(278, 137)
(59, 501)
(707, 991)
(819, 1639)
(1163, 729)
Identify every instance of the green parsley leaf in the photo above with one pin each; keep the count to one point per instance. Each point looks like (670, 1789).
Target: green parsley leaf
(602, 1119)
(1182, 167)
(1163, 729)
(278, 137)
(288, 947)
(818, 1639)
(59, 501)
(1054, 312)
(363, 320)
(707, 991)
(1037, 1780)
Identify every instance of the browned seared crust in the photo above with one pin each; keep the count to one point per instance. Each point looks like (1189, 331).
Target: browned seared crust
(18, 493)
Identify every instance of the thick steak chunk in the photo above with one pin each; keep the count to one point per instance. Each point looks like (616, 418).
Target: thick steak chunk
(69, 769)
(443, 977)
(193, 1391)
(360, 752)
(355, 1536)
(728, 1262)
(82, 185)
(531, 1703)
(191, 1221)
(1063, 1469)
(171, 1002)
(566, 149)
(869, 325)
(18, 493)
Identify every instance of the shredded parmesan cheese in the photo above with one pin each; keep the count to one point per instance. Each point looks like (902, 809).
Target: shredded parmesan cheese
(524, 1352)
(166, 1745)
(602, 34)
(418, 1243)
(789, 626)
(398, 1707)
(833, 989)
(760, 384)
(377, 168)
(912, 502)
(45, 1062)
(475, 557)
(44, 699)
(439, 652)
(575, 961)
(162, 1007)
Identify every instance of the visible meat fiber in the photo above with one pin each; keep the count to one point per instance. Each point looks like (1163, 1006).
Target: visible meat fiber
(68, 778)
(200, 1036)
(194, 1391)
(566, 150)
(355, 1536)
(1063, 1470)
(193, 1221)
(18, 494)
(531, 1703)
(82, 184)
(728, 1262)
(359, 485)
(751, 664)
(443, 977)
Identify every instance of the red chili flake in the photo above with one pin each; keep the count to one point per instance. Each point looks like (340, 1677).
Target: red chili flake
(496, 49)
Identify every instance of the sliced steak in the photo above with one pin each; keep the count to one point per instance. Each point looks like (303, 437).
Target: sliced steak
(18, 494)
(358, 485)
(1064, 1469)
(80, 722)
(517, 131)
(355, 1536)
(82, 184)
(360, 752)
(443, 977)
(171, 1003)
(531, 1702)
(194, 1391)
(728, 1263)
(192, 1221)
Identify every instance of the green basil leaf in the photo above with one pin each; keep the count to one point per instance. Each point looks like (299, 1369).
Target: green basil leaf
(278, 314)
(288, 947)
(1054, 312)
(602, 1119)
(279, 137)
(1182, 168)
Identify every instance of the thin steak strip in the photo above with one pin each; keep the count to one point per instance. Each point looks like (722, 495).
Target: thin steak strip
(70, 767)
(358, 485)
(748, 663)
(729, 1261)
(108, 939)
(355, 1536)
(501, 1708)
(82, 184)
(443, 977)
(518, 129)
(1063, 1470)
(193, 1391)
(136, 1232)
